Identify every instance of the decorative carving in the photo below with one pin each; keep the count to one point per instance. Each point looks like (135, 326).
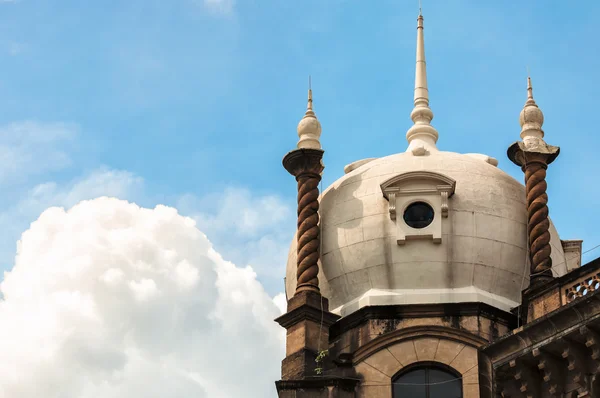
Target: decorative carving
(509, 390)
(528, 380)
(418, 186)
(538, 223)
(392, 206)
(419, 151)
(576, 363)
(552, 374)
(583, 287)
(305, 164)
(398, 183)
(534, 160)
(592, 342)
(444, 204)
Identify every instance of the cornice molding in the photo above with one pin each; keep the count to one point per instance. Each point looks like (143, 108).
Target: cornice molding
(439, 183)
(415, 311)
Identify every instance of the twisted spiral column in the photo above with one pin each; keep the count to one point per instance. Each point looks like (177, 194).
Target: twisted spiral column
(308, 231)
(533, 155)
(538, 223)
(305, 164)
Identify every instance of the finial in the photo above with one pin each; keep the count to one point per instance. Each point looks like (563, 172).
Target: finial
(420, 14)
(422, 136)
(310, 100)
(529, 92)
(309, 128)
(531, 118)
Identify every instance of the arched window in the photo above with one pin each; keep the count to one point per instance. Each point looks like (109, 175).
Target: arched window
(427, 380)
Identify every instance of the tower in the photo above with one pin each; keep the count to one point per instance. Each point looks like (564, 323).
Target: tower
(410, 275)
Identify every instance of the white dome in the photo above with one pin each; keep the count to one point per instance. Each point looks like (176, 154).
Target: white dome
(482, 256)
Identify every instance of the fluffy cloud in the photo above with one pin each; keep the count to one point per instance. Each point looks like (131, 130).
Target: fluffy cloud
(100, 182)
(16, 218)
(110, 299)
(248, 229)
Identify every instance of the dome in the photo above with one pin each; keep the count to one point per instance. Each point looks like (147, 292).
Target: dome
(480, 256)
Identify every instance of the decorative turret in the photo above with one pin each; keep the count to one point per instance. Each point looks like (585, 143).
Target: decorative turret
(308, 319)
(422, 136)
(533, 155)
(305, 163)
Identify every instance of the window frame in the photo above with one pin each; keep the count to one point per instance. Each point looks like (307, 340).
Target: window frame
(428, 365)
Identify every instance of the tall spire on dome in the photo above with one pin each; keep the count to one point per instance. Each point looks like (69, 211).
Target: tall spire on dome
(309, 128)
(422, 136)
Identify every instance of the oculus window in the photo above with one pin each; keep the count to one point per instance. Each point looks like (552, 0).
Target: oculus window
(427, 381)
(418, 215)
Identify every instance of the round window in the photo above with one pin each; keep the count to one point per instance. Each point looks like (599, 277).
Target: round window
(418, 215)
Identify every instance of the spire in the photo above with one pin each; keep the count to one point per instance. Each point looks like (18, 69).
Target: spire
(531, 118)
(422, 136)
(309, 128)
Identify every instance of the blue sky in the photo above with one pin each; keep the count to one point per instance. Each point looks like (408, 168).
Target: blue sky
(193, 103)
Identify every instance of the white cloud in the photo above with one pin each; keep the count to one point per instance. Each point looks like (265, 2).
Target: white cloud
(101, 182)
(31, 147)
(240, 209)
(110, 299)
(248, 229)
(281, 302)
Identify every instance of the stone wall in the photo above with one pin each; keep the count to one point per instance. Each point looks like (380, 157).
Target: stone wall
(382, 341)
(378, 369)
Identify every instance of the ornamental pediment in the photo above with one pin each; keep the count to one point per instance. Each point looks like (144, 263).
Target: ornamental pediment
(421, 200)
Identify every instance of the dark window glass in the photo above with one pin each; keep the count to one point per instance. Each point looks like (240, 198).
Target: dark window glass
(427, 382)
(413, 384)
(418, 215)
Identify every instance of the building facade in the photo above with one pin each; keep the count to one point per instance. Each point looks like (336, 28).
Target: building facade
(432, 274)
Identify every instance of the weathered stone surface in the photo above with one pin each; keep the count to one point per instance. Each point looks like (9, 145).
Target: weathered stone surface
(385, 362)
(466, 361)
(306, 335)
(298, 365)
(486, 229)
(377, 371)
(307, 322)
(367, 324)
(447, 351)
(405, 352)
(426, 348)
(317, 387)
(544, 304)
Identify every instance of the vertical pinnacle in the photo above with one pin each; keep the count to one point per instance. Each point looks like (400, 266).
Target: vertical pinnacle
(309, 128)
(422, 134)
(531, 118)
